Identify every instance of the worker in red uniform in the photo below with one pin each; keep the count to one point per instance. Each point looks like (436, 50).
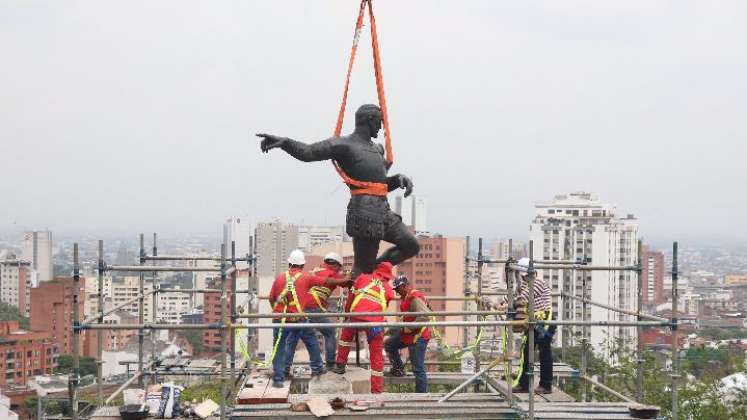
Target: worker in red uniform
(370, 293)
(330, 268)
(290, 294)
(414, 338)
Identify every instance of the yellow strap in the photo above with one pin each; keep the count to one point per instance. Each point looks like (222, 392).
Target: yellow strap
(366, 291)
(290, 285)
(318, 290)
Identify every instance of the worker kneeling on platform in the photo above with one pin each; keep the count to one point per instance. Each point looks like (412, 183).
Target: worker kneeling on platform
(330, 268)
(414, 338)
(543, 334)
(370, 293)
(290, 294)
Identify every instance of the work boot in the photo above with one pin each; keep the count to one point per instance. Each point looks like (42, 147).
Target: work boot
(518, 389)
(398, 372)
(543, 390)
(330, 365)
(320, 373)
(277, 384)
(339, 369)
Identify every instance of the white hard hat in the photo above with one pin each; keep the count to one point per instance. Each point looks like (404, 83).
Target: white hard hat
(296, 257)
(523, 263)
(334, 257)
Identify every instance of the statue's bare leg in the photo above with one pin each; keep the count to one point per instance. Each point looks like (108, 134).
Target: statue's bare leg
(405, 243)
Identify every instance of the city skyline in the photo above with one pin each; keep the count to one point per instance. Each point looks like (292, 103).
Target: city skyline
(586, 100)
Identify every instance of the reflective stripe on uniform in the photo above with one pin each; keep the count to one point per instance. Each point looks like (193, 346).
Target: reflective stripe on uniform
(376, 373)
(368, 294)
(346, 343)
(320, 293)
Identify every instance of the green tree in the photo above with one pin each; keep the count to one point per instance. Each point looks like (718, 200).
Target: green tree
(702, 399)
(11, 313)
(194, 337)
(65, 365)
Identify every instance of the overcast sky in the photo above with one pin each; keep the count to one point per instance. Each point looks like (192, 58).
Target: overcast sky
(137, 116)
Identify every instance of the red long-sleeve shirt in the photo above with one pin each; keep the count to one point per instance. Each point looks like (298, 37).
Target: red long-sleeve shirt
(303, 283)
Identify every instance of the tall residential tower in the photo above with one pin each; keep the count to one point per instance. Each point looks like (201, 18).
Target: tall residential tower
(577, 226)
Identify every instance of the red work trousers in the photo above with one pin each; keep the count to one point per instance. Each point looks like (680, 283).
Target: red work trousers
(375, 338)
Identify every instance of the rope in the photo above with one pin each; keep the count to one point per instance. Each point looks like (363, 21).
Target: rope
(379, 78)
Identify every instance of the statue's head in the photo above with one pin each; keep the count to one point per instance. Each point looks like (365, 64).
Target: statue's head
(369, 116)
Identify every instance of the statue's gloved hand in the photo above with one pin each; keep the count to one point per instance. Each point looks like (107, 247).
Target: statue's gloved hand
(270, 141)
(406, 183)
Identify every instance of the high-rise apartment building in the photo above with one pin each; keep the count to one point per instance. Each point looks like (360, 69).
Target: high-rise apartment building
(239, 230)
(652, 276)
(310, 237)
(578, 226)
(275, 241)
(438, 270)
(52, 310)
(37, 249)
(413, 211)
(16, 281)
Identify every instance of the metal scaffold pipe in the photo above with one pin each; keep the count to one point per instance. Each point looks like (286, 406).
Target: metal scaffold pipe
(74, 380)
(135, 377)
(232, 311)
(223, 338)
(639, 330)
(530, 330)
(138, 268)
(141, 310)
(364, 325)
(154, 310)
(509, 331)
(348, 314)
(100, 334)
(115, 308)
(607, 389)
(579, 267)
(614, 309)
(195, 258)
(162, 290)
(675, 335)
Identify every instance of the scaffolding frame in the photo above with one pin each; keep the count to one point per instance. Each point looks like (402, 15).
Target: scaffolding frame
(229, 316)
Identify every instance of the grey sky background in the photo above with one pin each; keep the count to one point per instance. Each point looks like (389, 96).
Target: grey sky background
(139, 115)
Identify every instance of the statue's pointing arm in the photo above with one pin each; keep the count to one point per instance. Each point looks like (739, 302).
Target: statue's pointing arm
(323, 150)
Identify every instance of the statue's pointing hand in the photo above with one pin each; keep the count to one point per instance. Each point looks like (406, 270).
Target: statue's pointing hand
(270, 141)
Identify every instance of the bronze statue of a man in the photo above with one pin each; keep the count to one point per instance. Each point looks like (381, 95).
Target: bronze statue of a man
(361, 163)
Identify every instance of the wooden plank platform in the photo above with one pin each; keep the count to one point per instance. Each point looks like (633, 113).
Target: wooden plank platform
(258, 389)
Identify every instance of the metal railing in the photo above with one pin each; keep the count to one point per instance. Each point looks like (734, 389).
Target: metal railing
(229, 317)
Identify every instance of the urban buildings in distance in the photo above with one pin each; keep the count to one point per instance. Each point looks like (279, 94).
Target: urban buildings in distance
(579, 227)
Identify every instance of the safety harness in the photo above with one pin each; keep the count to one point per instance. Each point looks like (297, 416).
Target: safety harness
(362, 187)
(367, 293)
(422, 329)
(290, 287)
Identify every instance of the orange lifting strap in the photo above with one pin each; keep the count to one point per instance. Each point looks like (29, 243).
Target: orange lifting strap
(372, 188)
